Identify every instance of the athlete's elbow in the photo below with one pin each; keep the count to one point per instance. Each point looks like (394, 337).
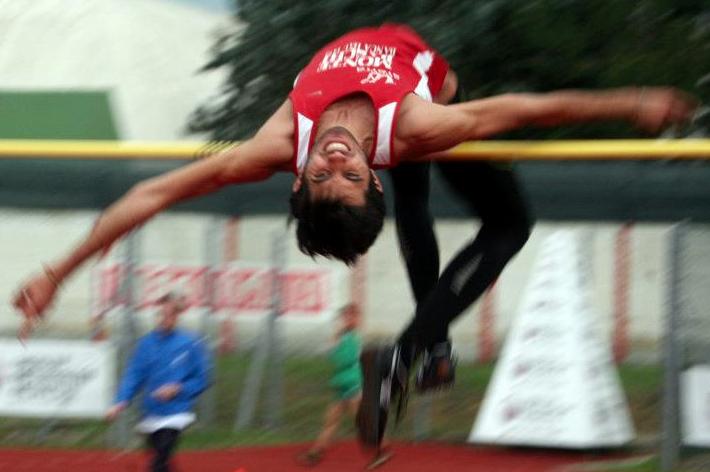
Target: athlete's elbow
(150, 195)
(500, 114)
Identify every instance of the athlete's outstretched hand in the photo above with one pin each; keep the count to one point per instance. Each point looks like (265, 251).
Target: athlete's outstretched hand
(32, 300)
(660, 107)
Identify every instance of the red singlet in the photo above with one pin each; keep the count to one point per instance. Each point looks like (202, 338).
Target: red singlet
(386, 63)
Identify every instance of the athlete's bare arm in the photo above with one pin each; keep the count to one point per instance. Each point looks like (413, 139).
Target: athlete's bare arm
(429, 127)
(256, 159)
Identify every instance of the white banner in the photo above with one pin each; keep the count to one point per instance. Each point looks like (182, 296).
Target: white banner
(52, 378)
(695, 406)
(239, 287)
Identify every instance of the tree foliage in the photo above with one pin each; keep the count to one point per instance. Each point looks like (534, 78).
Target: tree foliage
(494, 46)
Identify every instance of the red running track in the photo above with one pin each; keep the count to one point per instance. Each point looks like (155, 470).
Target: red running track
(343, 457)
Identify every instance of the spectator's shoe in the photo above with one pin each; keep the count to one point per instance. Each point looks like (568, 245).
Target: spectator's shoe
(384, 379)
(310, 458)
(438, 368)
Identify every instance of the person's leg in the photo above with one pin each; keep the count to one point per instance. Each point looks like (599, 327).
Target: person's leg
(333, 415)
(415, 227)
(420, 252)
(415, 232)
(353, 403)
(383, 453)
(162, 442)
(491, 192)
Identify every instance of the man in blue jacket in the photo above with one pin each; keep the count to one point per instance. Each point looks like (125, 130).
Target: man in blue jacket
(171, 367)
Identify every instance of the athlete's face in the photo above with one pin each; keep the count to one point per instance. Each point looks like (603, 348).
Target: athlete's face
(337, 168)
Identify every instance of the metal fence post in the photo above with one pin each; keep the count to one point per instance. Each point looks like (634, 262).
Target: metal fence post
(670, 434)
(267, 354)
(274, 399)
(252, 385)
(212, 244)
(130, 257)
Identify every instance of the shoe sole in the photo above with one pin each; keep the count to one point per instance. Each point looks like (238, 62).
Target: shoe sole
(371, 417)
(379, 460)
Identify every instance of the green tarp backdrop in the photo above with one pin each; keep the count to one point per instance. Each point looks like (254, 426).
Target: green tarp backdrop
(56, 115)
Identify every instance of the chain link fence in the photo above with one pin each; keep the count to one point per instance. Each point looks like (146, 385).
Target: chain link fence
(271, 380)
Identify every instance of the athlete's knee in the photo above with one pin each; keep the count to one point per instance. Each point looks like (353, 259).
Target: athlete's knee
(508, 240)
(515, 230)
(519, 235)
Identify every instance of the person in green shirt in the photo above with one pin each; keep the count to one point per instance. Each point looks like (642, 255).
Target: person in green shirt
(345, 358)
(346, 383)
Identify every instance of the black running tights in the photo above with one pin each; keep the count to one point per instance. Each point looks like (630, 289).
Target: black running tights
(490, 192)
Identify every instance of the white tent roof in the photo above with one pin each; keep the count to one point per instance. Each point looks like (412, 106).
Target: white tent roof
(146, 52)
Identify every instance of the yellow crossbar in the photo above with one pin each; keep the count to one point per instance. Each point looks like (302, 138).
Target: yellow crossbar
(483, 150)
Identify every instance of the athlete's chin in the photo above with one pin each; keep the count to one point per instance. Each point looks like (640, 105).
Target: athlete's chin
(338, 133)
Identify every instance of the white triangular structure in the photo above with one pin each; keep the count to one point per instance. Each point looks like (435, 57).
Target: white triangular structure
(555, 384)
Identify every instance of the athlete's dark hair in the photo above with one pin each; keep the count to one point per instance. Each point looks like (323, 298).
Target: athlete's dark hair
(330, 228)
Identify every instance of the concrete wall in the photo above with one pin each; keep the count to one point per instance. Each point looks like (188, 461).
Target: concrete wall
(147, 54)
